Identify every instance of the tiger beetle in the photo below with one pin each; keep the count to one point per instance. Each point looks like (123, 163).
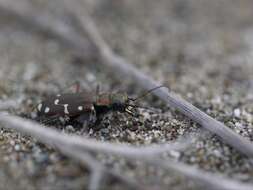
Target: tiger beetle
(87, 107)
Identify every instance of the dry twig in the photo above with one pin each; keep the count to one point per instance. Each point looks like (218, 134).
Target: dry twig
(7, 104)
(98, 171)
(84, 144)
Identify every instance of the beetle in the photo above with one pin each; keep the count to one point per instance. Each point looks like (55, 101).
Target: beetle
(87, 106)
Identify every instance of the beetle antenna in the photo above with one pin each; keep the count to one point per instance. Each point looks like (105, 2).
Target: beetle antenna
(148, 92)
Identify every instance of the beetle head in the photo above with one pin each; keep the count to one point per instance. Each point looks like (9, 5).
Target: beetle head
(119, 101)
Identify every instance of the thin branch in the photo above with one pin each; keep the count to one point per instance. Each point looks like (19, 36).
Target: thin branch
(209, 181)
(84, 144)
(77, 148)
(98, 170)
(96, 178)
(7, 104)
(23, 12)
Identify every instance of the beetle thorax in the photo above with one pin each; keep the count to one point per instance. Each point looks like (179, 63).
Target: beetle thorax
(103, 100)
(118, 98)
(116, 101)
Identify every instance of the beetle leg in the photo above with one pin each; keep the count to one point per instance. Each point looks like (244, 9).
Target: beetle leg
(84, 119)
(97, 91)
(74, 87)
(77, 84)
(50, 120)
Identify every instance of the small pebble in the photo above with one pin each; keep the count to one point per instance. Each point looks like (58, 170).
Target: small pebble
(237, 112)
(175, 154)
(12, 143)
(17, 147)
(70, 128)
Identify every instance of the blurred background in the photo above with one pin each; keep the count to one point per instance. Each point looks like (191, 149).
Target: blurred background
(200, 49)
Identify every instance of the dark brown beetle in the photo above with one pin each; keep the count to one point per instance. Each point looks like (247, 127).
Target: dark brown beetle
(87, 106)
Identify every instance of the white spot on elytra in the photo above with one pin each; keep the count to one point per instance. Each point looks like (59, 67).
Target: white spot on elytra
(39, 107)
(80, 108)
(58, 95)
(47, 109)
(66, 108)
(56, 101)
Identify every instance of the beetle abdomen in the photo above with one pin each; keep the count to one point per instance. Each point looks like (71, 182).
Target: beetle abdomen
(66, 104)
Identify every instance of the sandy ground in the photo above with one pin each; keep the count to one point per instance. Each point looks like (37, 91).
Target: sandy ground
(202, 50)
